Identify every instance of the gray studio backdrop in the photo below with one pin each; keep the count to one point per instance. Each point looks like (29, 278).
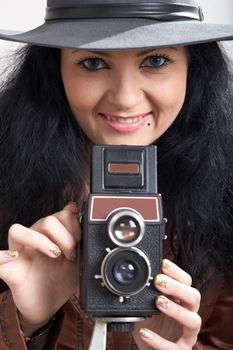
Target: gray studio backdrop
(220, 11)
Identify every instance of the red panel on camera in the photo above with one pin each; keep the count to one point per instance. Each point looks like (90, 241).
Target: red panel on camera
(124, 168)
(103, 206)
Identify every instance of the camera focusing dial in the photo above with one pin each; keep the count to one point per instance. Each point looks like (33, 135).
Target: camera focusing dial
(125, 271)
(126, 227)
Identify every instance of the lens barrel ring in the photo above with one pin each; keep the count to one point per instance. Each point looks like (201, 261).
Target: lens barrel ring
(128, 282)
(134, 232)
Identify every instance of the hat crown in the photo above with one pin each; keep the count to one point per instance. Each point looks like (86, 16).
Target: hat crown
(123, 24)
(67, 3)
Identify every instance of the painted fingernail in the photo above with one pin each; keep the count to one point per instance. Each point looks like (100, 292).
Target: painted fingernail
(79, 217)
(162, 301)
(55, 250)
(11, 253)
(166, 265)
(145, 333)
(161, 282)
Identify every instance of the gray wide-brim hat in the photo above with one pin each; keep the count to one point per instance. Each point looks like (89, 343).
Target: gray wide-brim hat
(125, 24)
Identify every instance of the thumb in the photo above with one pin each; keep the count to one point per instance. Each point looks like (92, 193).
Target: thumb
(6, 257)
(73, 207)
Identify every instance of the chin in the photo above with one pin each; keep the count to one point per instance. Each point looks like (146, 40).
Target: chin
(126, 140)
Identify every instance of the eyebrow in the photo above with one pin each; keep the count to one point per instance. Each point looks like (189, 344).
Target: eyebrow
(139, 54)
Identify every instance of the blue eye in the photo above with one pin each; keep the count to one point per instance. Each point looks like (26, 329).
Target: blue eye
(155, 61)
(92, 63)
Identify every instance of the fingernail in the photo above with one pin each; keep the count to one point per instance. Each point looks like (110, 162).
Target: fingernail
(55, 250)
(166, 265)
(162, 301)
(79, 217)
(145, 333)
(161, 282)
(73, 255)
(11, 253)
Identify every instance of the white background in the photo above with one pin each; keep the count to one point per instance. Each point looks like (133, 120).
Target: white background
(22, 15)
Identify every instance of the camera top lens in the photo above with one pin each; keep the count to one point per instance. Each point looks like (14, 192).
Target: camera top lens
(125, 227)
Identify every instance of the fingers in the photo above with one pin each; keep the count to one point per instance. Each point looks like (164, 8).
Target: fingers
(7, 263)
(21, 237)
(72, 206)
(180, 302)
(50, 235)
(179, 313)
(188, 296)
(177, 283)
(185, 337)
(58, 233)
(7, 256)
(155, 341)
(175, 272)
(67, 217)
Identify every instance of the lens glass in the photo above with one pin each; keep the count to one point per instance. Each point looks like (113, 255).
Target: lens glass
(126, 229)
(124, 271)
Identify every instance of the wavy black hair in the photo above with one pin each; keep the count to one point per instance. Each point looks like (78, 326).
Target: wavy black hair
(43, 155)
(196, 167)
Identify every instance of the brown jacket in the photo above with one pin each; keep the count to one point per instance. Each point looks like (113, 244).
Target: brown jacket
(72, 329)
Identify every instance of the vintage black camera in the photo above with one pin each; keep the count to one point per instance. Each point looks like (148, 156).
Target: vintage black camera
(123, 230)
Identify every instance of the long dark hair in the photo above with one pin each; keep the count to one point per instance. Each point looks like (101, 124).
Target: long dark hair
(42, 149)
(43, 155)
(196, 167)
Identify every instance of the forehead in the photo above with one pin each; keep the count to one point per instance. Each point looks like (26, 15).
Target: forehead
(133, 52)
(121, 58)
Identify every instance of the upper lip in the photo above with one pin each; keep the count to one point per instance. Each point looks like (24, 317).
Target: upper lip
(124, 116)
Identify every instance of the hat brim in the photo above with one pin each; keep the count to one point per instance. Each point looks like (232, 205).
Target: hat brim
(121, 33)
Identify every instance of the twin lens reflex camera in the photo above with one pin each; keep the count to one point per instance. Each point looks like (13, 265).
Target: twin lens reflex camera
(123, 231)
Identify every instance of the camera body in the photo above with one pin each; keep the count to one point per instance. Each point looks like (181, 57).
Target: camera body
(123, 231)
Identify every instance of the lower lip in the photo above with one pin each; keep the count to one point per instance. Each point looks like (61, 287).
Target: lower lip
(127, 128)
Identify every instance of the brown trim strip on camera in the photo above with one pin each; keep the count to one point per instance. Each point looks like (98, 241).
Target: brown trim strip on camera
(103, 206)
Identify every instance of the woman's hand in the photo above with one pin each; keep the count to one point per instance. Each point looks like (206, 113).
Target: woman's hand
(178, 325)
(41, 268)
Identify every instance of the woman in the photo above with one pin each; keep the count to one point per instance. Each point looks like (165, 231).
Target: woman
(75, 85)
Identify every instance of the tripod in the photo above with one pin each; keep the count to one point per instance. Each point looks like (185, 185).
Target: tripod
(116, 324)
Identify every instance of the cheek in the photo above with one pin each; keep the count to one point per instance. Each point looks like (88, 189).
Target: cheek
(171, 97)
(77, 95)
(81, 93)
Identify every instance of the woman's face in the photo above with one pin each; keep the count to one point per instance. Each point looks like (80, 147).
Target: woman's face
(125, 97)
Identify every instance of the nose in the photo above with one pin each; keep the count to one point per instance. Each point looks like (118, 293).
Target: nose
(125, 92)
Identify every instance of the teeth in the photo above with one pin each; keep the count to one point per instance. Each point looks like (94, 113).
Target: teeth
(124, 120)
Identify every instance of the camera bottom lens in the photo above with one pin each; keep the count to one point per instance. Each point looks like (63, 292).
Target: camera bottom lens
(126, 271)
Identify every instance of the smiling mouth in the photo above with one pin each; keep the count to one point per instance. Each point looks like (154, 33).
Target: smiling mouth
(124, 120)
